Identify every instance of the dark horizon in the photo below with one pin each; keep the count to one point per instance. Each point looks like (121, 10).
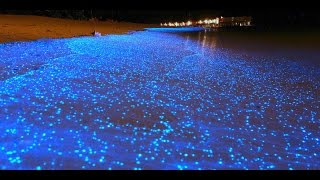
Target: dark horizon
(263, 17)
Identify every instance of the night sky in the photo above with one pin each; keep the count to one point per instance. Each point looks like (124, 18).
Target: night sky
(265, 13)
(262, 17)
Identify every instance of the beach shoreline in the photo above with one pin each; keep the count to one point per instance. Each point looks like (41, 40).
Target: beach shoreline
(15, 28)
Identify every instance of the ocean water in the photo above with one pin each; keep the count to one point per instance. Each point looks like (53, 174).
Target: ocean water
(157, 100)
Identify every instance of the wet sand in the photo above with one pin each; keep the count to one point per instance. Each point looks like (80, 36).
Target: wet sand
(153, 100)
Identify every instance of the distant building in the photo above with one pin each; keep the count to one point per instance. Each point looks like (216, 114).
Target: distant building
(214, 23)
(235, 21)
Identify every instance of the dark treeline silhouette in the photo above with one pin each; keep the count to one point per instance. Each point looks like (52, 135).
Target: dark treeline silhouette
(69, 14)
(263, 18)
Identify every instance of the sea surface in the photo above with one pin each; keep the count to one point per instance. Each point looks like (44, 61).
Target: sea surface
(160, 99)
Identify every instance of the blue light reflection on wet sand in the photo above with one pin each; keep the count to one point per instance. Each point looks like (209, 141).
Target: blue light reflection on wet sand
(153, 100)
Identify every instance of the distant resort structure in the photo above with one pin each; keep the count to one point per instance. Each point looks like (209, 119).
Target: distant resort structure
(213, 23)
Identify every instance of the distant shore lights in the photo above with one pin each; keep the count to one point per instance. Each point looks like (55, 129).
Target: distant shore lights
(213, 22)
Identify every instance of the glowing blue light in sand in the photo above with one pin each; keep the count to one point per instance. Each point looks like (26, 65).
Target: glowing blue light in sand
(152, 100)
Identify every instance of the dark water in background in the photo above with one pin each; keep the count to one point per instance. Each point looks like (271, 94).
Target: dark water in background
(297, 46)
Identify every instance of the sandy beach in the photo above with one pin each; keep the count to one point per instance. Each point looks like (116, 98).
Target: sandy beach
(26, 28)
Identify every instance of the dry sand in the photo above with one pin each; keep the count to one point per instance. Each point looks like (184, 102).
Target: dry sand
(25, 28)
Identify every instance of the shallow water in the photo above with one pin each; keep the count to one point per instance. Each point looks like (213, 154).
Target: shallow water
(156, 100)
